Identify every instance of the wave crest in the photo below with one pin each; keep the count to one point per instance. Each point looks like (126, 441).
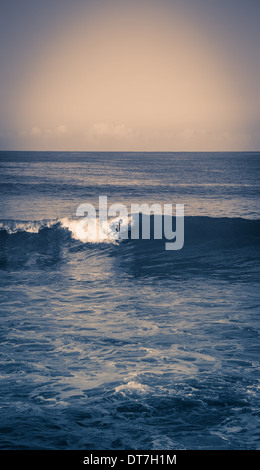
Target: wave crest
(198, 230)
(86, 231)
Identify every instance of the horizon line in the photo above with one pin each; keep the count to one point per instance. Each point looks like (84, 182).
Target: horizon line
(133, 151)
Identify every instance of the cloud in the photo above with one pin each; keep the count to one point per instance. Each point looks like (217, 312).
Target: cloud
(110, 130)
(35, 131)
(61, 129)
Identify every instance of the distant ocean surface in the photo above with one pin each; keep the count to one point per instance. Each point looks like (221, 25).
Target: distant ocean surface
(122, 344)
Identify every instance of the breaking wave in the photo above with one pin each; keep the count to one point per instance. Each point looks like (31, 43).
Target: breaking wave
(198, 230)
(220, 247)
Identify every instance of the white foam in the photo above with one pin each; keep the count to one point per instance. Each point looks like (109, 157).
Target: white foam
(86, 231)
(94, 231)
(132, 386)
(30, 226)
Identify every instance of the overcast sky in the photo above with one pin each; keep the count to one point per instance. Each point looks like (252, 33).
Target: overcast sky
(130, 75)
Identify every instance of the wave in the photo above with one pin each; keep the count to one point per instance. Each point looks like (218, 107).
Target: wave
(212, 246)
(198, 229)
(93, 232)
(41, 186)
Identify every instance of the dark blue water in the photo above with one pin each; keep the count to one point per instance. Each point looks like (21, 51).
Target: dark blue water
(122, 344)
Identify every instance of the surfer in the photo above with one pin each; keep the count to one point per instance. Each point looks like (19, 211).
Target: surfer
(118, 226)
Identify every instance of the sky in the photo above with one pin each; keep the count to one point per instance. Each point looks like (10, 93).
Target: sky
(128, 75)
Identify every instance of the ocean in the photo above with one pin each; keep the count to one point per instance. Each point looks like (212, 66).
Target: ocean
(119, 343)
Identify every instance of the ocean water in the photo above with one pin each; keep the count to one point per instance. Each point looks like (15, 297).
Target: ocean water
(120, 344)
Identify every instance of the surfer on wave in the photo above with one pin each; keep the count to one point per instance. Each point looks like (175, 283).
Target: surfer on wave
(118, 226)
